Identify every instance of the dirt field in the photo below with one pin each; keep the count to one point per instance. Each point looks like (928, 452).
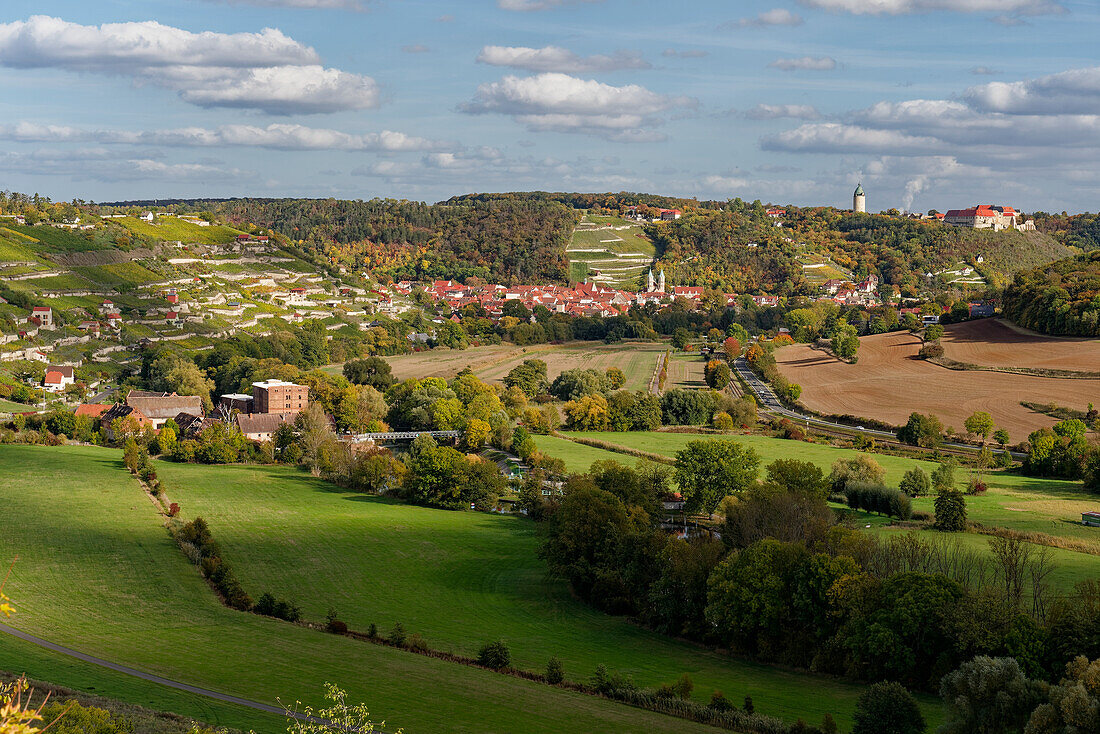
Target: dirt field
(996, 343)
(889, 383)
(636, 359)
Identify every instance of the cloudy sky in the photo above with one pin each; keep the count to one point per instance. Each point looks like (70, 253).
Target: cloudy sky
(931, 103)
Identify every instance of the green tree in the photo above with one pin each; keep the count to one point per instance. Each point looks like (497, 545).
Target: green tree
(887, 708)
(1001, 437)
(916, 483)
(798, 476)
(943, 476)
(494, 655)
(555, 673)
(708, 471)
(979, 424)
(373, 371)
(530, 377)
(988, 696)
(921, 430)
(717, 374)
(950, 510)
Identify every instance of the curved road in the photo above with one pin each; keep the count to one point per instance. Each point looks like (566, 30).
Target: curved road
(278, 710)
(772, 404)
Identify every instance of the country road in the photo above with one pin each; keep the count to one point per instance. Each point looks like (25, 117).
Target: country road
(278, 710)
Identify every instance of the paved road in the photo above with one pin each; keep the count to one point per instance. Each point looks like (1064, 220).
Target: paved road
(99, 397)
(277, 710)
(772, 404)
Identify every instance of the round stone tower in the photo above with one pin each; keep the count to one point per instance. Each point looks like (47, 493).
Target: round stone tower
(859, 200)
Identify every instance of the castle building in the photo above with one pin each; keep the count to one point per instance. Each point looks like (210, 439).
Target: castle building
(859, 200)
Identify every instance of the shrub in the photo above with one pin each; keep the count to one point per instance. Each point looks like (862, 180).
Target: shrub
(494, 655)
(333, 624)
(887, 707)
(976, 486)
(719, 702)
(683, 687)
(748, 708)
(611, 684)
(879, 499)
(372, 631)
(723, 421)
(416, 643)
(916, 483)
(397, 635)
(555, 673)
(265, 605)
(950, 508)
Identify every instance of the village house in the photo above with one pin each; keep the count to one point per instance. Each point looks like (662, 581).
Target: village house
(58, 377)
(261, 426)
(41, 316)
(278, 396)
(158, 407)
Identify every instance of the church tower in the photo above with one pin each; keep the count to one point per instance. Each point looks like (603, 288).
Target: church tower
(661, 281)
(859, 200)
(650, 284)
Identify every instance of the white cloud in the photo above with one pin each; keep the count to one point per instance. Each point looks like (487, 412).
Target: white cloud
(805, 63)
(831, 137)
(276, 136)
(1076, 91)
(776, 112)
(562, 103)
(691, 53)
(555, 58)
(103, 165)
(266, 71)
(900, 7)
(774, 17)
(531, 5)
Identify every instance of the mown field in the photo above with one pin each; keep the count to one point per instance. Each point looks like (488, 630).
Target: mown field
(1012, 501)
(889, 382)
(98, 573)
(637, 360)
(999, 343)
(459, 579)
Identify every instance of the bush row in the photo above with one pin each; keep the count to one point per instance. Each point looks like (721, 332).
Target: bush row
(878, 498)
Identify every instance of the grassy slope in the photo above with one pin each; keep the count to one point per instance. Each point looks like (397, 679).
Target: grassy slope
(98, 573)
(459, 579)
(172, 228)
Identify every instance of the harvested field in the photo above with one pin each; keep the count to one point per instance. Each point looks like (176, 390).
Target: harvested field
(636, 359)
(889, 382)
(997, 343)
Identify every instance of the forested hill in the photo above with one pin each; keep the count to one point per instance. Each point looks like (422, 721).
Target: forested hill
(1060, 298)
(612, 202)
(740, 247)
(500, 240)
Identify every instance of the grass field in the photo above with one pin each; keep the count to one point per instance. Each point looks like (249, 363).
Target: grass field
(889, 382)
(118, 275)
(637, 360)
(459, 579)
(98, 573)
(1012, 501)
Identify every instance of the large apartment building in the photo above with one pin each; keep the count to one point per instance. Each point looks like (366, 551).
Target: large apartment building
(278, 396)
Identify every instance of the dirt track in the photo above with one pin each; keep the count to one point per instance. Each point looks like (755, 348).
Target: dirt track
(889, 383)
(995, 343)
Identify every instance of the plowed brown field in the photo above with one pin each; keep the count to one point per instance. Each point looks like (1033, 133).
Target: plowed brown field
(996, 343)
(889, 382)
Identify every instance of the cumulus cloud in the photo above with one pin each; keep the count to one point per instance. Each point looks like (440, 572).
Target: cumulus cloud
(830, 137)
(691, 53)
(266, 71)
(774, 17)
(562, 103)
(776, 112)
(900, 7)
(276, 137)
(1076, 91)
(554, 58)
(805, 63)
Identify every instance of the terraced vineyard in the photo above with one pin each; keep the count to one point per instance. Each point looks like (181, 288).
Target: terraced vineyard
(610, 251)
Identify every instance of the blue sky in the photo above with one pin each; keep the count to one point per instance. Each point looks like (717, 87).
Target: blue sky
(932, 103)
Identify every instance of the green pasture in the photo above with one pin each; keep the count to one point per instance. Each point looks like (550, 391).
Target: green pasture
(98, 573)
(459, 579)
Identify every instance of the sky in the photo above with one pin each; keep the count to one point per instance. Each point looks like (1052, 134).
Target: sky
(930, 103)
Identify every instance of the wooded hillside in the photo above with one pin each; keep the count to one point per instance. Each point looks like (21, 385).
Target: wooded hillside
(1062, 298)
